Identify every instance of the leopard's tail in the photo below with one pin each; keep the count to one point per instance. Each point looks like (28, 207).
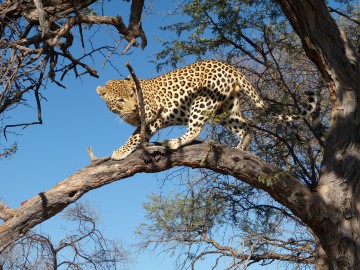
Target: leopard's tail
(310, 107)
(262, 104)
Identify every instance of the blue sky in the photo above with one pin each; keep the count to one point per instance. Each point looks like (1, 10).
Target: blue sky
(75, 118)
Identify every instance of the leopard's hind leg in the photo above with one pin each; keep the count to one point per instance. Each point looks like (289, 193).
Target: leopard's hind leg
(238, 125)
(235, 122)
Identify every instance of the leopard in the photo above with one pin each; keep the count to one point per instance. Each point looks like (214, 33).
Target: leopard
(189, 96)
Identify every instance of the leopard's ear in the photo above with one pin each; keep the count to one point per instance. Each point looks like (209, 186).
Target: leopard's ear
(100, 90)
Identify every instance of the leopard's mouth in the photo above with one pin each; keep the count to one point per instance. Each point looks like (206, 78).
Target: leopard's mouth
(130, 115)
(125, 116)
(131, 118)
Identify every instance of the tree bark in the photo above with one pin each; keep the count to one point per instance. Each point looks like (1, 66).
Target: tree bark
(337, 226)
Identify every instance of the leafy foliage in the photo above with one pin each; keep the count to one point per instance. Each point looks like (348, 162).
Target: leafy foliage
(223, 217)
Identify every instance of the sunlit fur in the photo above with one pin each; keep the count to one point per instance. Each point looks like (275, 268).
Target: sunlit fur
(121, 99)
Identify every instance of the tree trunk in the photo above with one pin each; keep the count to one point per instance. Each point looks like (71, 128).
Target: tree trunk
(336, 222)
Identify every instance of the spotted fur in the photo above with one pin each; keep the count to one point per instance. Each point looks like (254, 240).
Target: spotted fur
(188, 96)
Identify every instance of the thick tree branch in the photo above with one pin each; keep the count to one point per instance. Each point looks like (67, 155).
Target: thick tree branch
(240, 164)
(135, 21)
(317, 30)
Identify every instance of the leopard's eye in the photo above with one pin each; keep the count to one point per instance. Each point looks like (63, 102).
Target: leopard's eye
(121, 100)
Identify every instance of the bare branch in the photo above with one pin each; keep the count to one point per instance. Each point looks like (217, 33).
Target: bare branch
(344, 15)
(141, 104)
(86, 246)
(38, 104)
(143, 122)
(24, 50)
(91, 154)
(42, 19)
(135, 21)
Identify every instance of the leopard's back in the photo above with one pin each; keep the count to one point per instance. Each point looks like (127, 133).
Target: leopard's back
(176, 91)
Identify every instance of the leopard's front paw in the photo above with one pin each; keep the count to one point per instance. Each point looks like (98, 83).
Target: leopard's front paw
(119, 155)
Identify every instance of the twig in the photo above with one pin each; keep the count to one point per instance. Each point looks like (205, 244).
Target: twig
(112, 51)
(91, 154)
(38, 103)
(94, 159)
(344, 15)
(141, 105)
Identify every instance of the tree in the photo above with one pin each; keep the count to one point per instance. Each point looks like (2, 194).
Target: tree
(227, 223)
(38, 44)
(85, 248)
(330, 212)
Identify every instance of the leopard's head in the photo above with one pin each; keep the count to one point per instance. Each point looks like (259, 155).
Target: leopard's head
(120, 97)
